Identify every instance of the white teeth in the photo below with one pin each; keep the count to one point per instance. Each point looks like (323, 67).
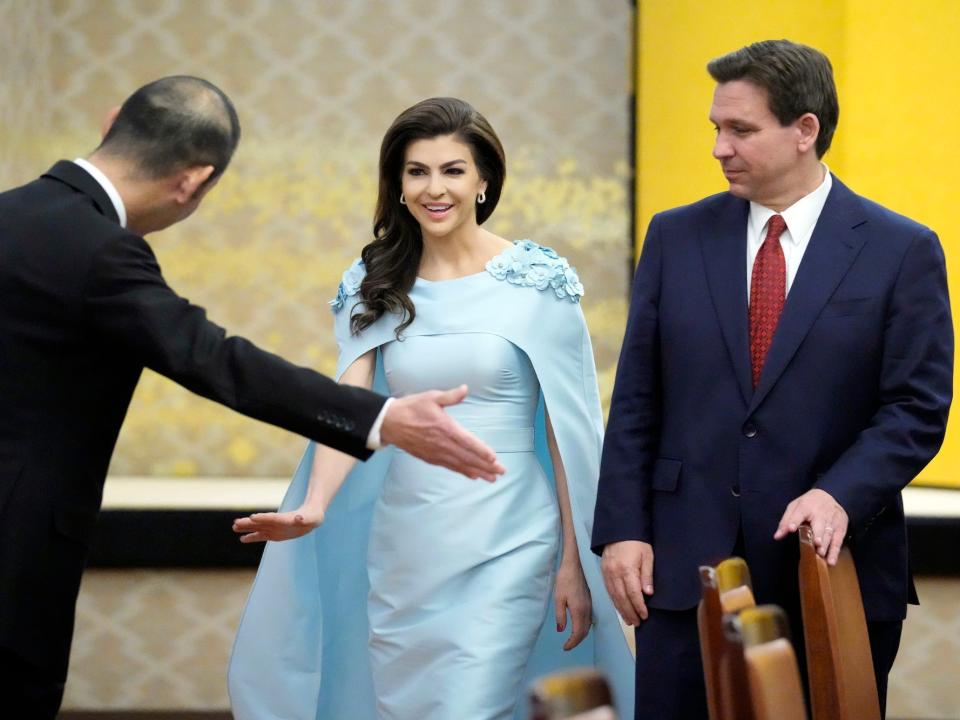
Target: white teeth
(438, 208)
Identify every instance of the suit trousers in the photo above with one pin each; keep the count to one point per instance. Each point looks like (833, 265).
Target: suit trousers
(669, 671)
(670, 682)
(28, 692)
(884, 644)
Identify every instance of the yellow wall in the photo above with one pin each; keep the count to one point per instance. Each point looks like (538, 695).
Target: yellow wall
(897, 67)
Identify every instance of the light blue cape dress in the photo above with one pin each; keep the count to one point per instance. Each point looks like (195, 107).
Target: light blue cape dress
(301, 648)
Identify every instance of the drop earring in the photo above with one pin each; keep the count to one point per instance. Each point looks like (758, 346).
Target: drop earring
(482, 197)
(403, 200)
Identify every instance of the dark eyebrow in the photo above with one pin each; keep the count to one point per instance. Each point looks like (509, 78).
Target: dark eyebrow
(735, 121)
(442, 167)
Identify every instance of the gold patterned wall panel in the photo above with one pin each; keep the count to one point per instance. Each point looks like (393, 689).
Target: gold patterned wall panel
(316, 83)
(155, 639)
(25, 86)
(150, 639)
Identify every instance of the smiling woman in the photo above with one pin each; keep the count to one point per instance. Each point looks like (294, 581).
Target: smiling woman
(451, 166)
(438, 300)
(442, 189)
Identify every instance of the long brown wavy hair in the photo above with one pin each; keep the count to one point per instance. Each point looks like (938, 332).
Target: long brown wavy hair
(393, 258)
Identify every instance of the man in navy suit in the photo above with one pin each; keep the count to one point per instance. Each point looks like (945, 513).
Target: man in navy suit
(788, 359)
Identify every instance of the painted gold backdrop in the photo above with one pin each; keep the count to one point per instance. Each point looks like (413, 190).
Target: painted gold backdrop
(316, 84)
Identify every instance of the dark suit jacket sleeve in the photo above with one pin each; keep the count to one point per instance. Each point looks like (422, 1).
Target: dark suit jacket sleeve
(915, 390)
(632, 436)
(130, 305)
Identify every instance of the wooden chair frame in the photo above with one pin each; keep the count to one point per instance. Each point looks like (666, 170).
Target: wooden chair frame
(573, 694)
(725, 589)
(839, 662)
(762, 634)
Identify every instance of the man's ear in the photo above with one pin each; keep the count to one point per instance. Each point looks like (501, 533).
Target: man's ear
(808, 126)
(189, 181)
(108, 121)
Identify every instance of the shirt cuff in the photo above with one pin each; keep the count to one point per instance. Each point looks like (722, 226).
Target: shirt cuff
(373, 439)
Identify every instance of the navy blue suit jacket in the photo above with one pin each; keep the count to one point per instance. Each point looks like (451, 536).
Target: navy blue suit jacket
(853, 397)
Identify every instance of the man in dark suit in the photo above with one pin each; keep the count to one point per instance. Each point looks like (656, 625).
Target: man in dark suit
(84, 309)
(788, 358)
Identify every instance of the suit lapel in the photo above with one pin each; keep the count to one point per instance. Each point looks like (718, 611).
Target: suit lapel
(724, 249)
(79, 179)
(833, 247)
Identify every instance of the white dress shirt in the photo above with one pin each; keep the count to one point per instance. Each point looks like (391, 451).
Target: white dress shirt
(108, 188)
(801, 219)
(373, 437)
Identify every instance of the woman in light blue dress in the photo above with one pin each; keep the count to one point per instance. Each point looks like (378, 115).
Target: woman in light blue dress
(410, 592)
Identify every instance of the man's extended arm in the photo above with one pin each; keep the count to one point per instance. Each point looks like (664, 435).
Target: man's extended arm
(130, 305)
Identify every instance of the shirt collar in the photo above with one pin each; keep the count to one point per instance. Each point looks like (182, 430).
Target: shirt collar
(108, 187)
(800, 217)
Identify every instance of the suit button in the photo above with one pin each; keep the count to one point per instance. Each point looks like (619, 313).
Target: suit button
(750, 431)
(735, 490)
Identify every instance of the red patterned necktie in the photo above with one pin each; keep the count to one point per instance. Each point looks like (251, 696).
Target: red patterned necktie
(768, 287)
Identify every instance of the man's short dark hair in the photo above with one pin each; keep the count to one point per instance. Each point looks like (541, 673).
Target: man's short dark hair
(798, 79)
(173, 123)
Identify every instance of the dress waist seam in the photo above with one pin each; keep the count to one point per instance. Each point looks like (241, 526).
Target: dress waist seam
(514, 439)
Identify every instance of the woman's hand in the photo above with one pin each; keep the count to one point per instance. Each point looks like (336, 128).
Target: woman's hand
(260, 527)
(573, 595)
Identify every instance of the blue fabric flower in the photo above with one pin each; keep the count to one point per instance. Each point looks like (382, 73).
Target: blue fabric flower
(349, 284)
(528, 264)
(499, 266)
(569, 284)
(539, 277)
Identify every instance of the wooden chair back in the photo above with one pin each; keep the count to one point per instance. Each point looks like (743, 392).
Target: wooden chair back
(773, 676)
(839, 663)
(724, 589)
(578, 694)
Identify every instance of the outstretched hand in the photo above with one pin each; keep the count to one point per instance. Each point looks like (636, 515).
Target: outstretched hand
(419, 425)
(260, 527)
(826, 518)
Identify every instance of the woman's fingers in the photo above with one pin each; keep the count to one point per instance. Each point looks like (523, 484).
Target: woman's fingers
(581, 627)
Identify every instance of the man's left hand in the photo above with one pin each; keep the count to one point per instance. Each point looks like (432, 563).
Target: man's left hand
(826, 518)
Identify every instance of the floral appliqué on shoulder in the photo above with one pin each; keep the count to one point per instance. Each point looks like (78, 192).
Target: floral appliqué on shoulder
(349, 284)
(531, 265)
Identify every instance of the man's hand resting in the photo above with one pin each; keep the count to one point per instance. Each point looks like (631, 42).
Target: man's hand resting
(628, 574)
(826, 517)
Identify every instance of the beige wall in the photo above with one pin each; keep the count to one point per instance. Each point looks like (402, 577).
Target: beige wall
(316, 84)
(161, 639)
(25, 85)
